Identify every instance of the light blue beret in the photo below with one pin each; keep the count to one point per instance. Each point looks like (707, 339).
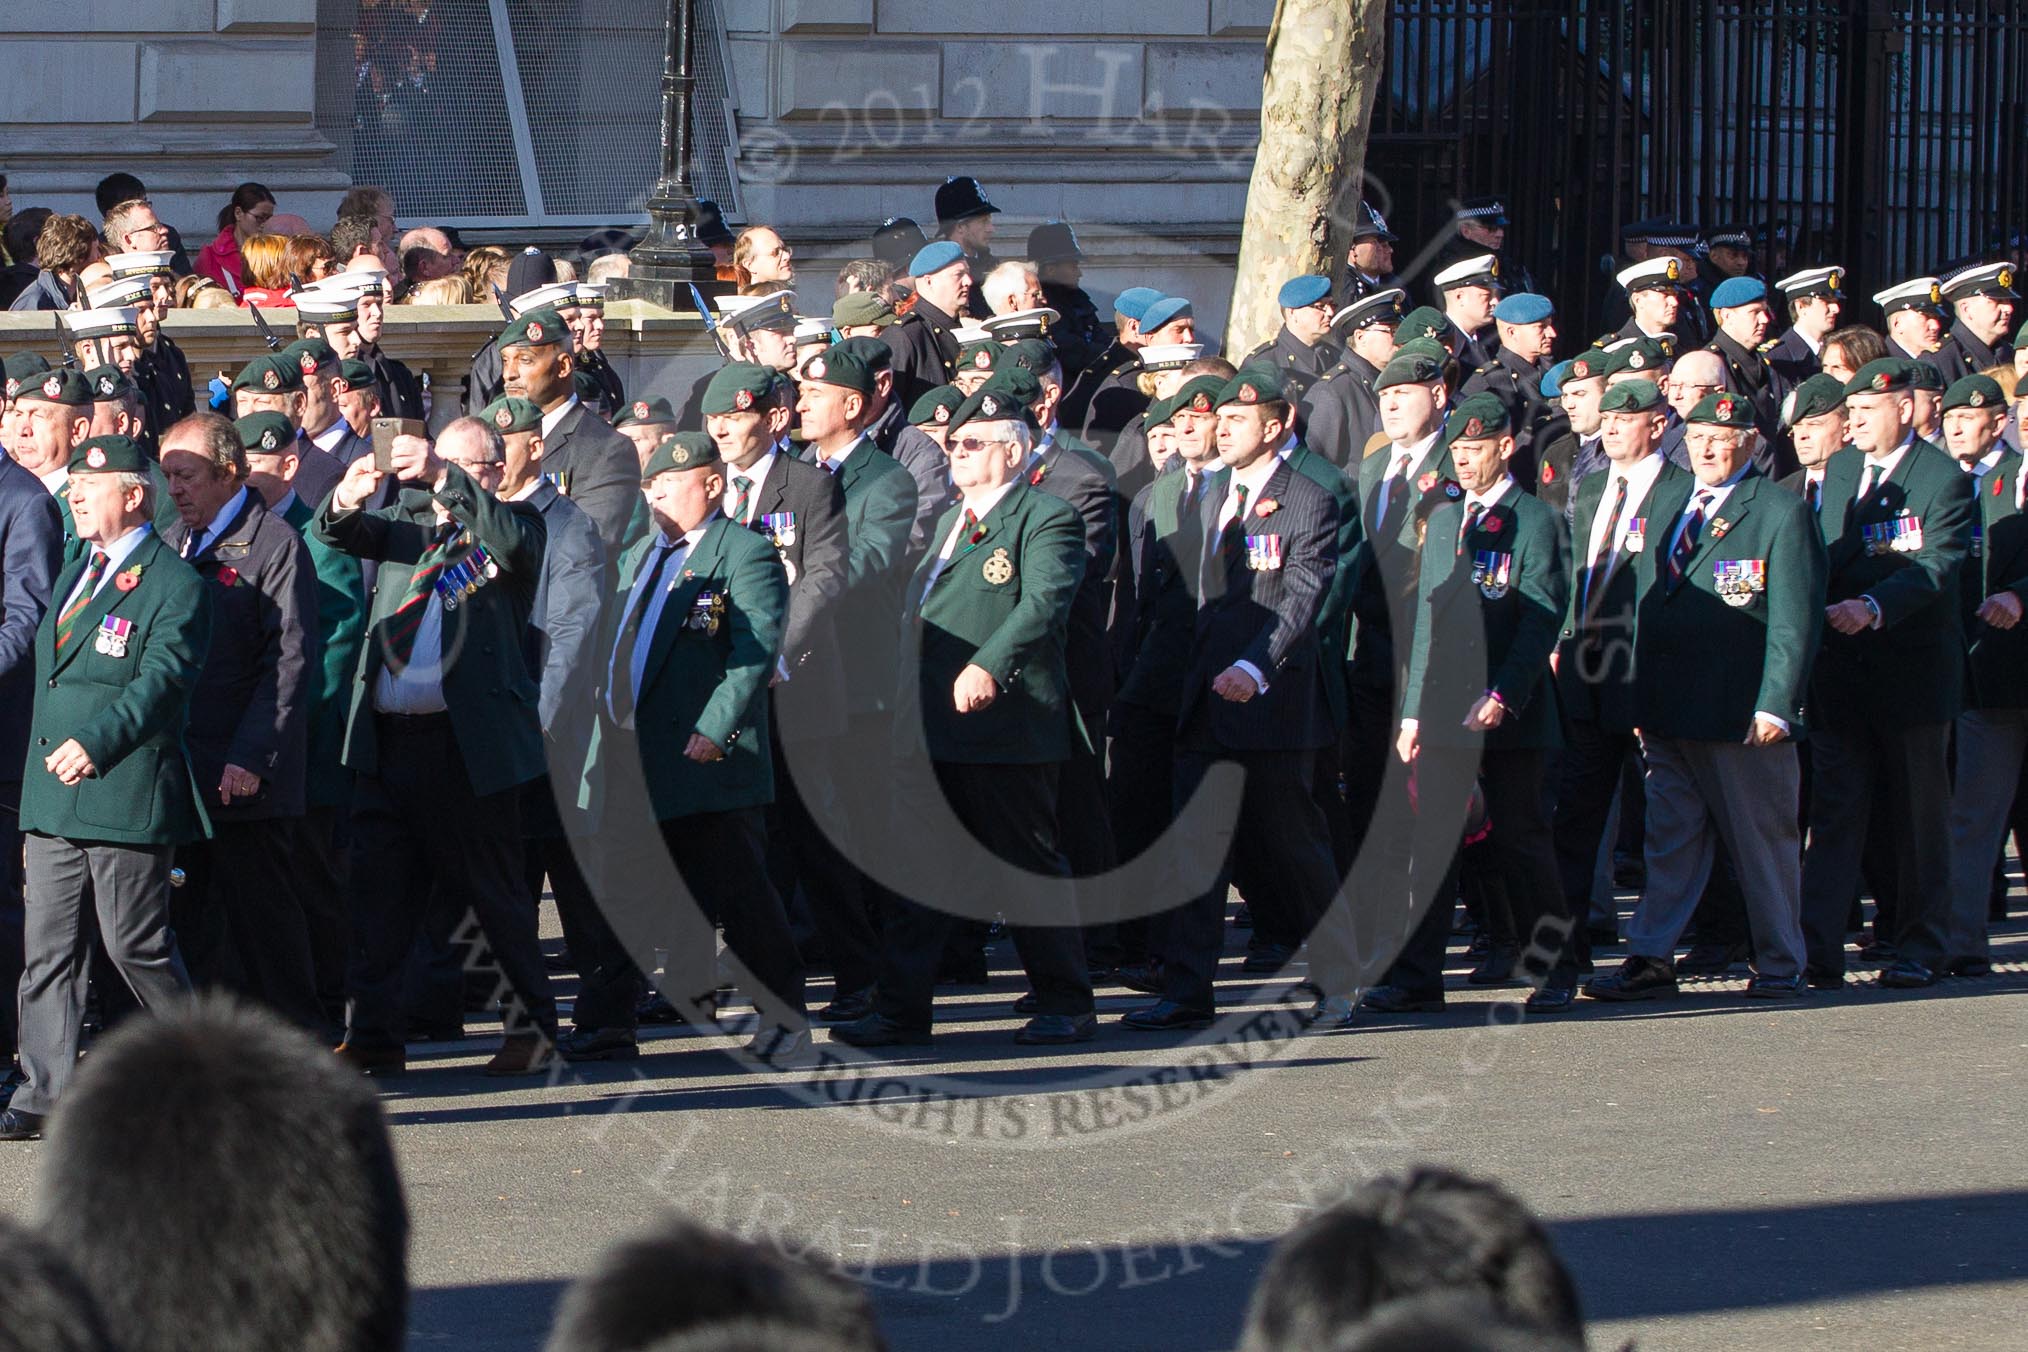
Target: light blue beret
(1135, 300)
(934, 258)
(1163, 311)
(1524, 307)
(1738, 291)
(1301, 291)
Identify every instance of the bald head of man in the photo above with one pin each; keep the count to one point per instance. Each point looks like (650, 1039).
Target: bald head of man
(1695, 375)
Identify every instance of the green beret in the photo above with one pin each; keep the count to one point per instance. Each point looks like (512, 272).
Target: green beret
(108, 455)
(311, 355)
(988, 404)
(22, 365)
(1723, 408)
(1158, 414)
(537, 328)
(1017, 383)
(1407, 367)
(1257, 383)
(1476, 417)
(841, 366)
(59, 386)
(1631, 396)
(738, 387)
(1030, 354)
(875, 352)
(354, 374)
(983, 355)
(511, 413)
(861, 307)
(270, 374)
(936, 406)
(1818, 395)
(646, 413)
(1923, 376)
(684, 450)
(1642, 354)
(109, 382)
(1199, 394)
(1882, 375)
(1589, 364)
(1975, 391)
(1424, 322)
(266, 433)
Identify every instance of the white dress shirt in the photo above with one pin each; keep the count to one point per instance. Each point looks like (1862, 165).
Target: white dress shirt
(555, 416)
(328, 440)
(755, 474)
(1418, 454)
(1253, 478)
(981, 505)
(832, 466)
(116, 554)
(1640, 480)
(1887, 464)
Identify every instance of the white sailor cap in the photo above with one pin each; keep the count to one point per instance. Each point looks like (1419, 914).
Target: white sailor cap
(121, 291)
(1651, 273)
(326, 305)
(967, 334)
(1019, 324)
(810, 330)
(1382, 307)
(590, 295)
(1984, 279)
(743, 314)
(556, 295)
(1169, 356)
(1484, 270)
(106, 323)
(141, 263)
(1828, 281)
(355, 284)
(1917, 293)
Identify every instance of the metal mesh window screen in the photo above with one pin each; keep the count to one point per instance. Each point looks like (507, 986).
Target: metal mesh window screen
(412, 93)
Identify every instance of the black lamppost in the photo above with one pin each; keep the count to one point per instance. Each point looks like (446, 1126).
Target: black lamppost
(669, 260)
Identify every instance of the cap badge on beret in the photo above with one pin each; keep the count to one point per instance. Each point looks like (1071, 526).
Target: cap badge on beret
(271, 379)
(815, 368)
(942, 413)
(106, 384)
(1248, 394)
(641, 410)
(1977, 399)
(13, 387)
(1580, 369)
(983, 360)
(96, 458)
(504, 419)
(53, 386)
(1473, 428)
(1725, 406)
(534, 332)
(269, 441)
(1200, 402)
(307, 363)
(742, 400)
(1880, 380)
(1636, 360)
(989, 406)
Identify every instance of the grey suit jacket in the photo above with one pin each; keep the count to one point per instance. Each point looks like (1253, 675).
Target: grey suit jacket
(596, 468)
(811, 537)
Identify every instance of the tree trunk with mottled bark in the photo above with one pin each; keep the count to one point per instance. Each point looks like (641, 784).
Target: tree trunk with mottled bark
(1324, 60)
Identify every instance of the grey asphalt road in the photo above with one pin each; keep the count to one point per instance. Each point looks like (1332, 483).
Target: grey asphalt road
(1719, 1173)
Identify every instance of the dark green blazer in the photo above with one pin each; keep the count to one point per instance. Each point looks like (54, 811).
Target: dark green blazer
(488, 689)
(1999, 657)
(1467, 643)
(341, 628)
(1910, 671)
(1334, 622)
(127, 712)
(1165, 549)
(1595, 669)
(1704, 667)
(1384, 576)
(880, 499)
(713, 683)
(1002, 603)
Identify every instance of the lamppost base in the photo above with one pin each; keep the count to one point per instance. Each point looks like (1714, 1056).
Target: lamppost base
(667, 280)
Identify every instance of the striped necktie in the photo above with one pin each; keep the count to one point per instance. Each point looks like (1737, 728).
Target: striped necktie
(1601, 569)
(742, 498)
(407, 619)
(93, 576)
(1473, 511)
(1686, 540)
(623, 692)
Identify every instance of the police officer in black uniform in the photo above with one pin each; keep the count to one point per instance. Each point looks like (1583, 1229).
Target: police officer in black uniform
(1341, 412)
(1370, 265)
(1078, 333)
(965, 218)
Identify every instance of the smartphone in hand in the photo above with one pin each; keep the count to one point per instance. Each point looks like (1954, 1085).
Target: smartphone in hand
(385, 430)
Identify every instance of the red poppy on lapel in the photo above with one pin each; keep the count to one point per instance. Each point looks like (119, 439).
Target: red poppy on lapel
(228, 576)
(1266, 507)
(1035, 479)
(128, 580)
(1492, 521)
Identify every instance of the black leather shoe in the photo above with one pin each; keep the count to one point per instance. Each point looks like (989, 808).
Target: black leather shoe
(783, 1048)
(1399, 1000)
(1957, 967)
(1775, 987)
(1145, 978)
(1497, 967)
(1879, 951)
(1165, 1016)
(877, 1030)
(1638, 978)
(1266, 957)
(369, 1060)
(654, 1008)
(848, 1007)
(1710, 959)
(13, 1081)
(1906, 974)
(1055, 1030)
(1330, 1013)
(598, 1044)
(16, 1125)
(1817, 979)
(1550, 1000)
(1028, 1004)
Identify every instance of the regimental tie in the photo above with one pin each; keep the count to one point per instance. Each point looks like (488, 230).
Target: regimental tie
(94, 574)
(402, 626)
(1813, 493)
(1601, 569)
(1232, 540)
(1869, 483)
(1686, 539)
(1473, 511)
(623, 693)
(742, 498)
(1390, 489)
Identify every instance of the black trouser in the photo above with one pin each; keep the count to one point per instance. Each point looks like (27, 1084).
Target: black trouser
(1519, 847)
(12, 915)
(1011, 811)
(320, 882)
(1280, 841)
(722, 857)
(1593, 758)
(1365, 752)
(1850, 762)
(240, 919)
(609, 985)
(830, 772)
(416, 823)
(1141, 793)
